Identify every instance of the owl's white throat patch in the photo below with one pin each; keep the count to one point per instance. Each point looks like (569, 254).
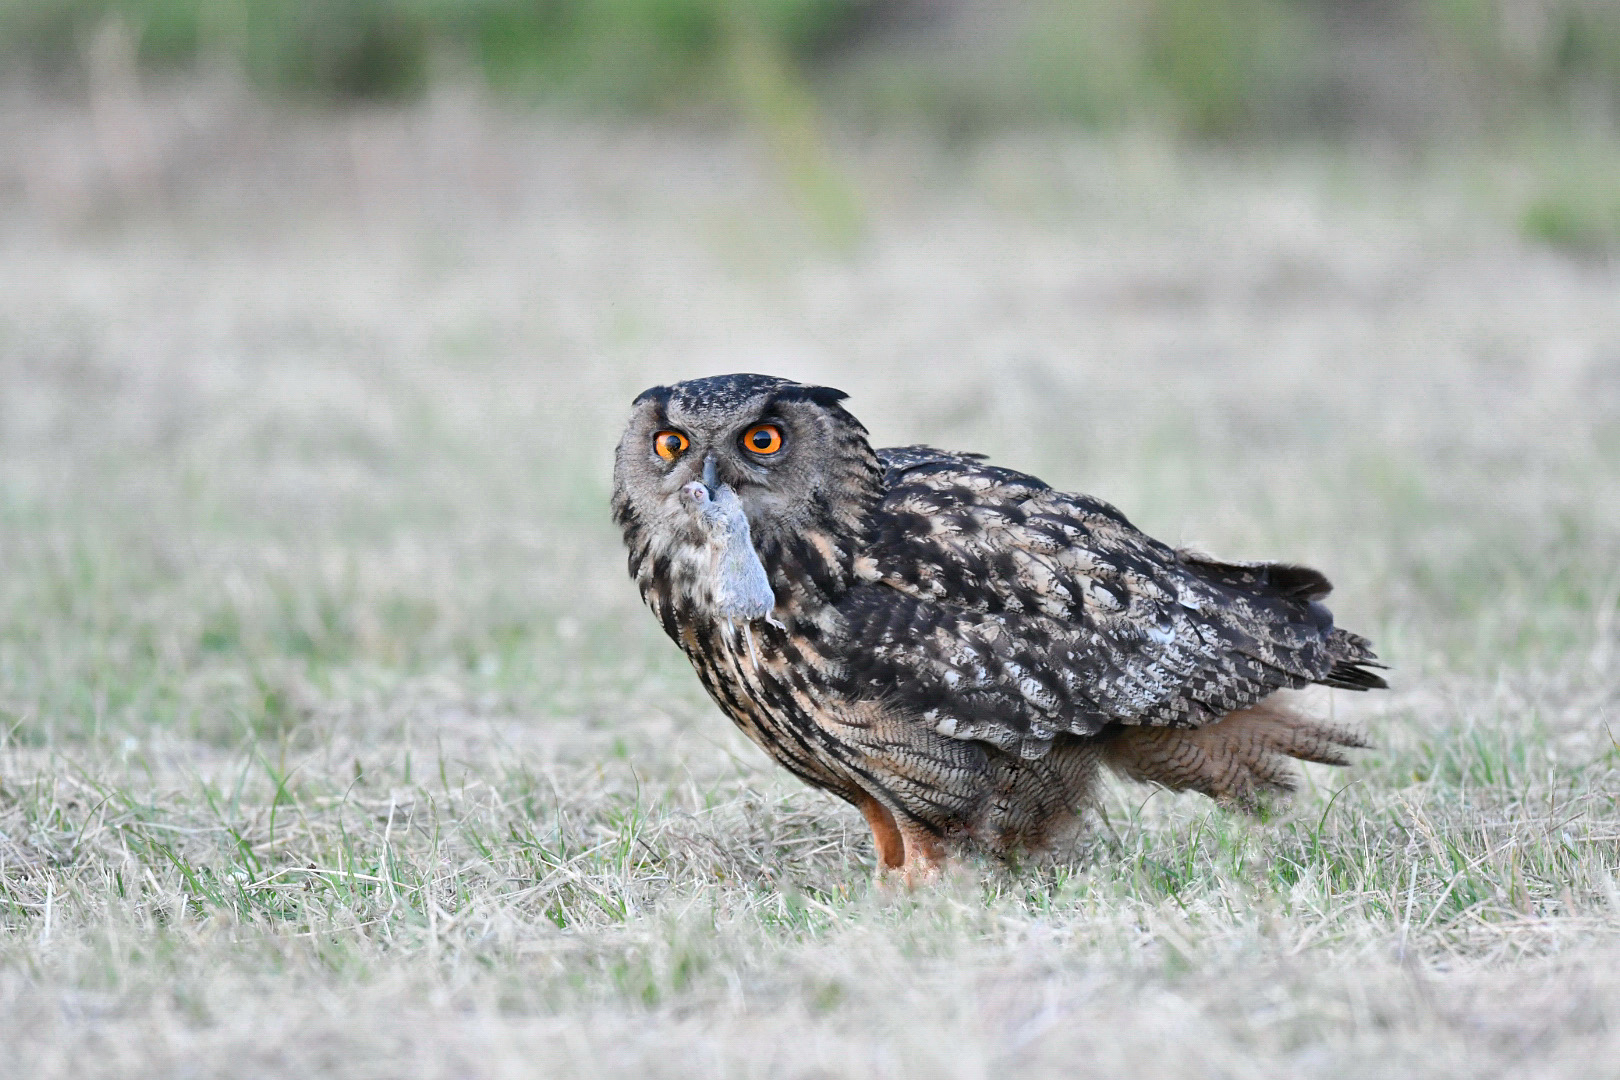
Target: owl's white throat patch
(739, 589)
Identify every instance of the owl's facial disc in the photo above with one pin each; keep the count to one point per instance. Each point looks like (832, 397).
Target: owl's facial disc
(717, 483)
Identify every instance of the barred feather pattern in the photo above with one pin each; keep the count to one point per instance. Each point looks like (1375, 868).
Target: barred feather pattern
(1003, 610)
(1235, 759)
(961, 645)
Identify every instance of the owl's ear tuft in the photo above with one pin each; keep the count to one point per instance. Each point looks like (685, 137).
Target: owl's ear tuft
(825, 396)
(660, 394)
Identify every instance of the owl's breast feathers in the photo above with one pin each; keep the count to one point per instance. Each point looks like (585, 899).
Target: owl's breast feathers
(784, 679)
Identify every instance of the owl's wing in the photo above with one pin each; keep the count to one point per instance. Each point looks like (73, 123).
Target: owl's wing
(996, 608)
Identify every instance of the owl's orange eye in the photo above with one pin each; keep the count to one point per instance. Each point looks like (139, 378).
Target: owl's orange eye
(670, 444)
(763, 439)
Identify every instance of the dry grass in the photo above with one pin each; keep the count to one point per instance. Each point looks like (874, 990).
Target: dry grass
(335, 743)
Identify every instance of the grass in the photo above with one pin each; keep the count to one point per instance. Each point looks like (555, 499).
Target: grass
(333, 740)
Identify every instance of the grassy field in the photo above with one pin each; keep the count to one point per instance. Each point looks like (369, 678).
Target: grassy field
(334, 741)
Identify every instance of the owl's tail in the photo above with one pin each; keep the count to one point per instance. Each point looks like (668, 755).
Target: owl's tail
(1234, 759)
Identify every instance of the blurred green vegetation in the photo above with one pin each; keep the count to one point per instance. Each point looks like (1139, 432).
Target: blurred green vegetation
(636, 54)
(1579, 217)
(1207, 68)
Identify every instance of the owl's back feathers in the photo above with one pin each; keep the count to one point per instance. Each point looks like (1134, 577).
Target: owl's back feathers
(1001, 610)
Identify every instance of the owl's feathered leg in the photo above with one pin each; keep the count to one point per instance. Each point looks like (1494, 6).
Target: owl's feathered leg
(925, 855)
(891, 851)
(903, 845)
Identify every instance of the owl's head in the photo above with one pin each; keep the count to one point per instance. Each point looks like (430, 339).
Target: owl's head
(798, 464)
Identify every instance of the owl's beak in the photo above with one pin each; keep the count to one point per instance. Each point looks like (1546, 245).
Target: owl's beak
(711, 477)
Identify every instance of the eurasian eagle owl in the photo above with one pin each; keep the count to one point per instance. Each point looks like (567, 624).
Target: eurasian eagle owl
(956, 648)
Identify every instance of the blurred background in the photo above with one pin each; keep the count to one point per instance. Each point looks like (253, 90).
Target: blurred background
(320, 320)
(1211, 69)
(1505, 74)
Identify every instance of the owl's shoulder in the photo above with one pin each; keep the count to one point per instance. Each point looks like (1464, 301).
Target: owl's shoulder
(925, 488)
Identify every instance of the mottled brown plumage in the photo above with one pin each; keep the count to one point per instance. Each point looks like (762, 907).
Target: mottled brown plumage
(955, 648)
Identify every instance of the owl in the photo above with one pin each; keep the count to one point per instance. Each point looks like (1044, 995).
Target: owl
(956, 649)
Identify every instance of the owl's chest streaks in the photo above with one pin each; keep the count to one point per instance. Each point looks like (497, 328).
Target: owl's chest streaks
(780, 691)
(777, 678)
